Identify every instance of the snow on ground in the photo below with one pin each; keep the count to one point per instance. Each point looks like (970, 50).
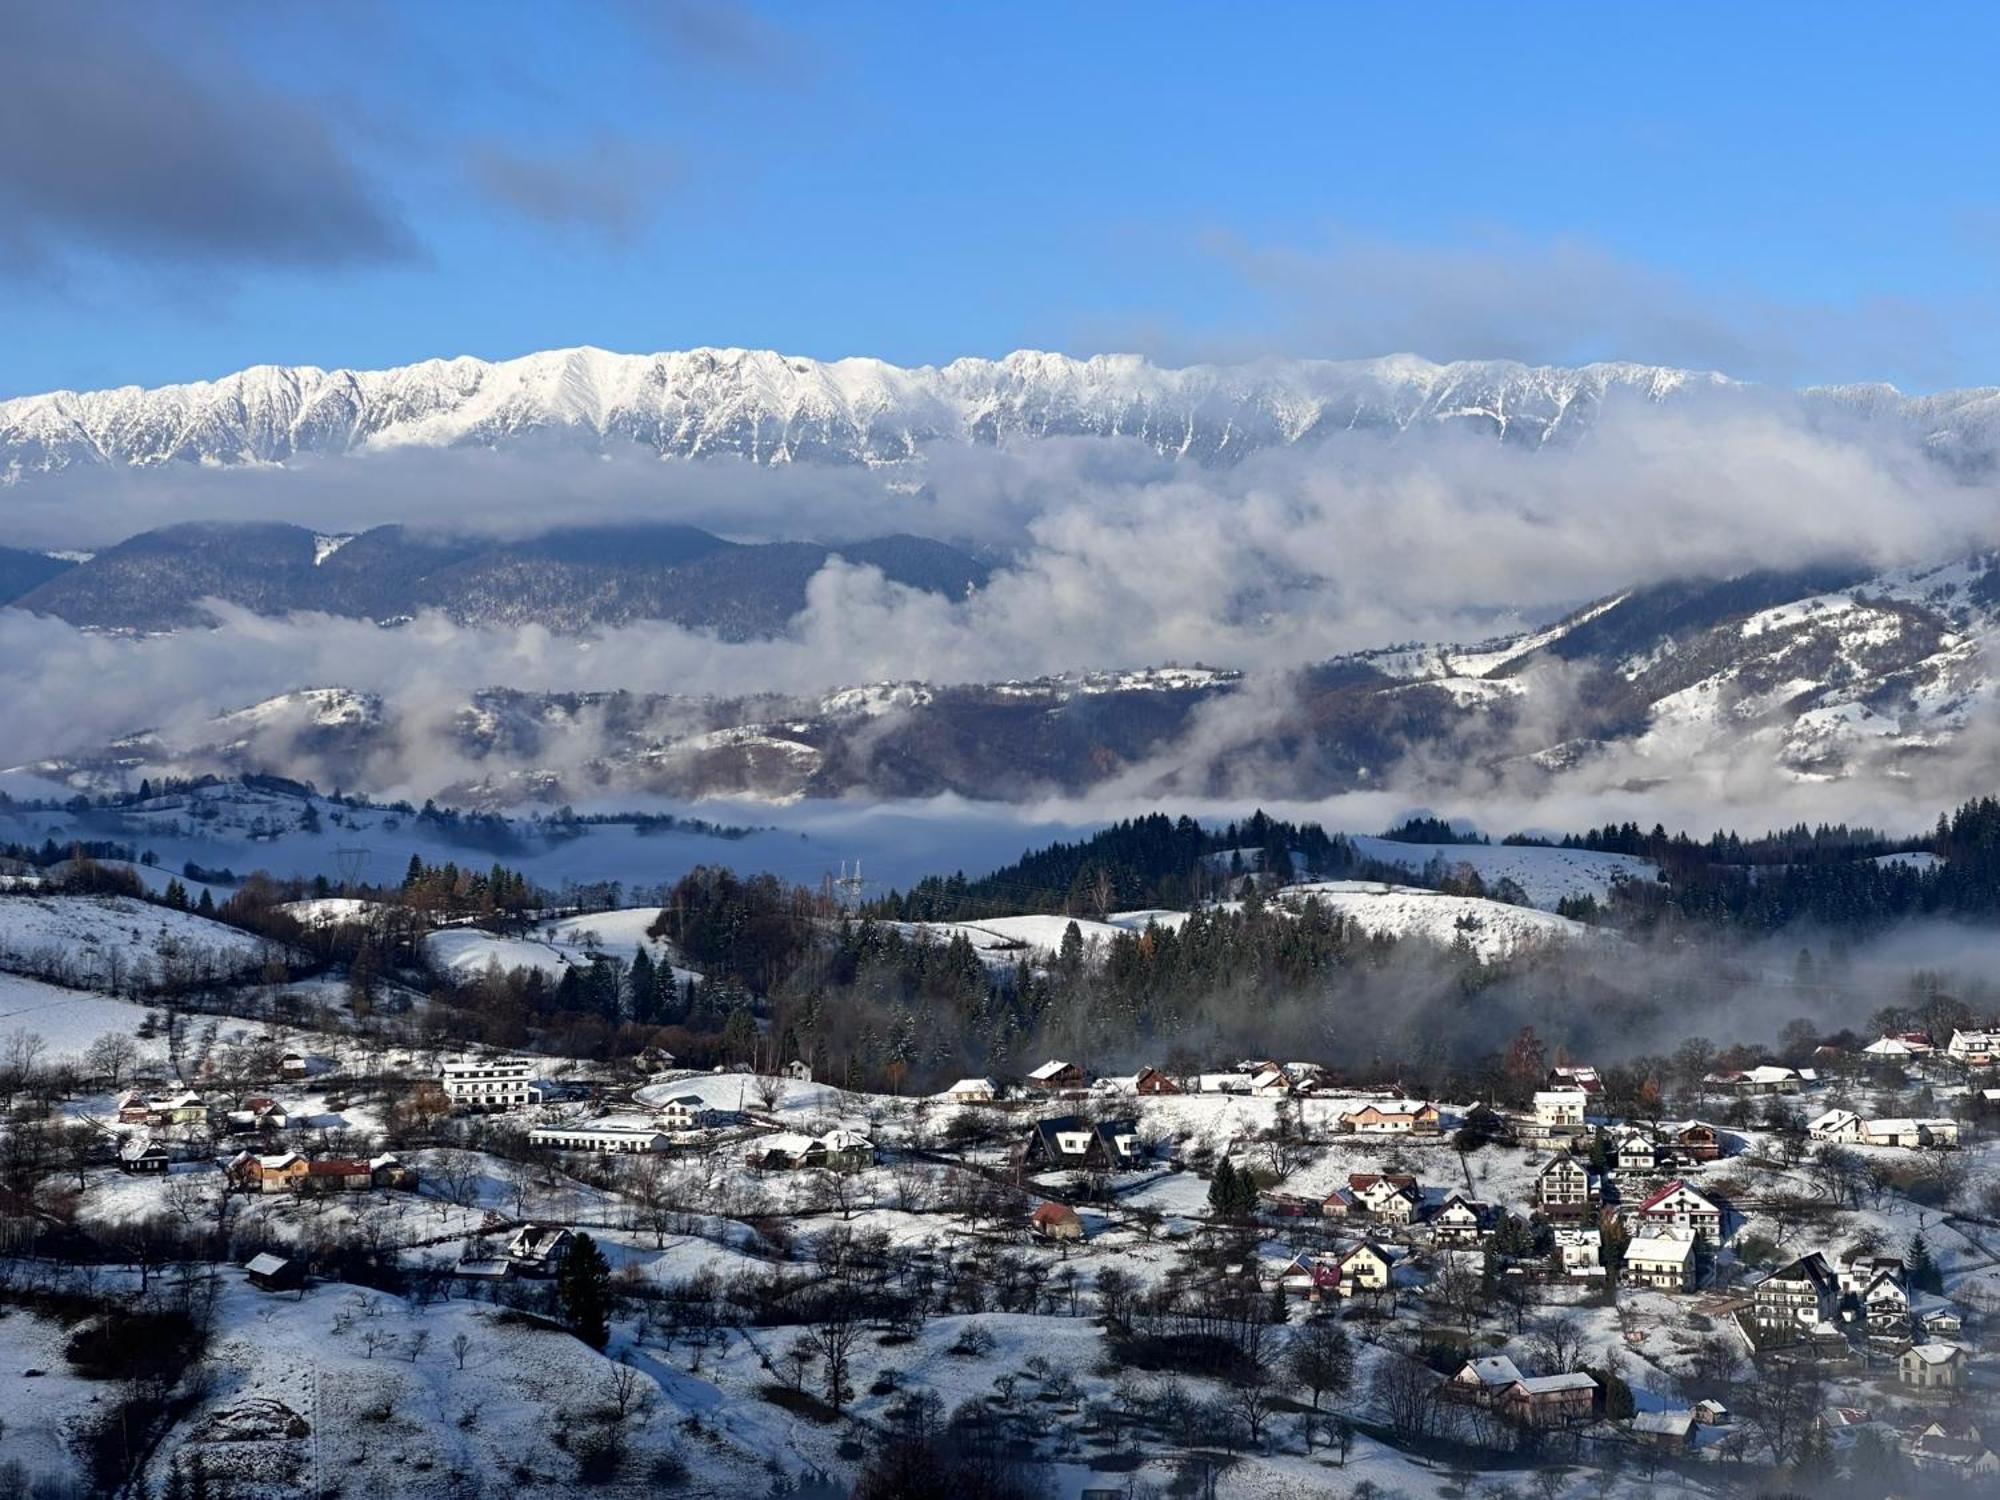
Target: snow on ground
(101, 938)
(1547, 875)
(330, 911)
(1493, 928)
(553, 946)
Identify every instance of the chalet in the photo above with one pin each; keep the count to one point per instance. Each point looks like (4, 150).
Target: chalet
(293, 1065)
(1564, 1189)
(1766, 1078)
(1692, 1140)
(783, 1152)
(1057, 1077)
(249, 1173)
(1402, 1117)
(684, 1112)
(1392, 1197)
(1486, 1123)
(798, 1070)
(484, 1085)
(1938, 1133)
(391, 1172)
(1365, 1268)
(538, 1249)
(185, 1110)
(338, 1174)
(1073, 1142)
(1679, 1206)
(1939, 1323)
(1662, 1261)
(1931, 1367)
(1975, 1049)
(1842, 1125)
(1056, 1221)
(141, 1157)
(258, 1113)
(1495, 1382)
(1153, 1081)
(1795, 1300)
(973, 1091)
(1663, 1429)
(1858, 1272)
(275, 1273)
(1579, 1250)
(1460, 1221)
(1634, 1154)
(1942, 1454)
(134, 1108)
(1885, 1306)
(609, 1136)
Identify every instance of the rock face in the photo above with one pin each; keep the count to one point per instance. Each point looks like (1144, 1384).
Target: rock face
(775, 408)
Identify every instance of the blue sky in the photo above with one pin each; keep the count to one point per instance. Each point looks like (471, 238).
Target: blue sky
(1787, 192)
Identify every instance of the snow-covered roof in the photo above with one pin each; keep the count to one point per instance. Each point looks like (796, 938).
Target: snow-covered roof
(1935, 1354)
(1050, 1069)
(1660, 1250)
(972, 1086)
(265, 1264)
(1494, 1369)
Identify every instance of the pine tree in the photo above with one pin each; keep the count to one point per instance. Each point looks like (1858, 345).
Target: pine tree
(206, 906)
(1924, 1274)
(414, 876)
(583, 1287)
(644, 986)
(1222, 1190)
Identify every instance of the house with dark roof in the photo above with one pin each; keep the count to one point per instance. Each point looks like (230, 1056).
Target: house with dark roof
(1070, 1141)
(1795, 1300)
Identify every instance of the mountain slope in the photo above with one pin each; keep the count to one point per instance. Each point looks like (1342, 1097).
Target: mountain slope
(774, 408)
(566, 579)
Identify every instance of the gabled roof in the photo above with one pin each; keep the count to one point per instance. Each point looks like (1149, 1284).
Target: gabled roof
(1812, 1268)
(973, 1086)
(1050, 1069)
(266, 1264)
(1054, 1213)
(1935, 1354)
(1494, 1369)
(1678, 1185)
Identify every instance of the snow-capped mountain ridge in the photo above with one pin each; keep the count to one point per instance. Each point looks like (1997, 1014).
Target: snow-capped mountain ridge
(776, 408)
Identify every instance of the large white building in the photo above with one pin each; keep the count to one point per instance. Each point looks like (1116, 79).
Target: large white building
(488, 1084)
(599, 1135)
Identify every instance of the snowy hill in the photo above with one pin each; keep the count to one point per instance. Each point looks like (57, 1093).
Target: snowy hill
(1493, 928)
(108, 940)
(777, 408)
(1545, 875)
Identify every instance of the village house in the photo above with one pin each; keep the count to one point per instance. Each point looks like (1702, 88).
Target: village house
(798, 1070)
(1939, 1323)
(1310, 1276)
(1585, 1080)
(1679, 1206)
(599, 1135)
(684, 1112)
(250, 1173)
(1579, 1250)
(1071, 1141)
(1271, 1083)
(1392, 1197)
(973, 1091)
(274, 1273)
(1662, 1261)
(256, 1114)
(1565, 1189)
(1673, 1430)
(1858, 1272)
(1937, 1133)
(390, 1172)
(1842, 1125)
(143, 1158)
(1399, 1118)
(1365, 1268)
(484, 1085)
(1056, 1077)
(1056, 1221)
(1153, 1081)
(1766, 1078)
(1884, 1306)
(538, 1249)
(1460, 1221)
(1943, 1453)
(294, 1065)
(1495, 1382)
(836, 1151)
(1974, 1049)
(1902, 1048)
(1931, 1367)
(1796, 1300)
(337, 1174)
(1634, 1154)
(1558, 1113)
(1692, 1140)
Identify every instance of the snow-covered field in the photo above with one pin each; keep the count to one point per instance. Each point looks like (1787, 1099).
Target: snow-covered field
(106, 939)
(552, 946)
(1547, 875)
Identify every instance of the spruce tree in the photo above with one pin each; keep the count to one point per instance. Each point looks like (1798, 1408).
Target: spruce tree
(583, 1287)
(644, 986)
(1222, 1190)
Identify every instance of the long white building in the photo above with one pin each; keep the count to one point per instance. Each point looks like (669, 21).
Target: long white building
(491, 1084)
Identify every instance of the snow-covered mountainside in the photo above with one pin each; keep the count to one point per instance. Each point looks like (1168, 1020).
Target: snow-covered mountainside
(777, 408)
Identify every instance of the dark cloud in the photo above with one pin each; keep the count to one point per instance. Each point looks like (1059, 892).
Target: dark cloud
(115, 142)
(716, 34)
(609, 188)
